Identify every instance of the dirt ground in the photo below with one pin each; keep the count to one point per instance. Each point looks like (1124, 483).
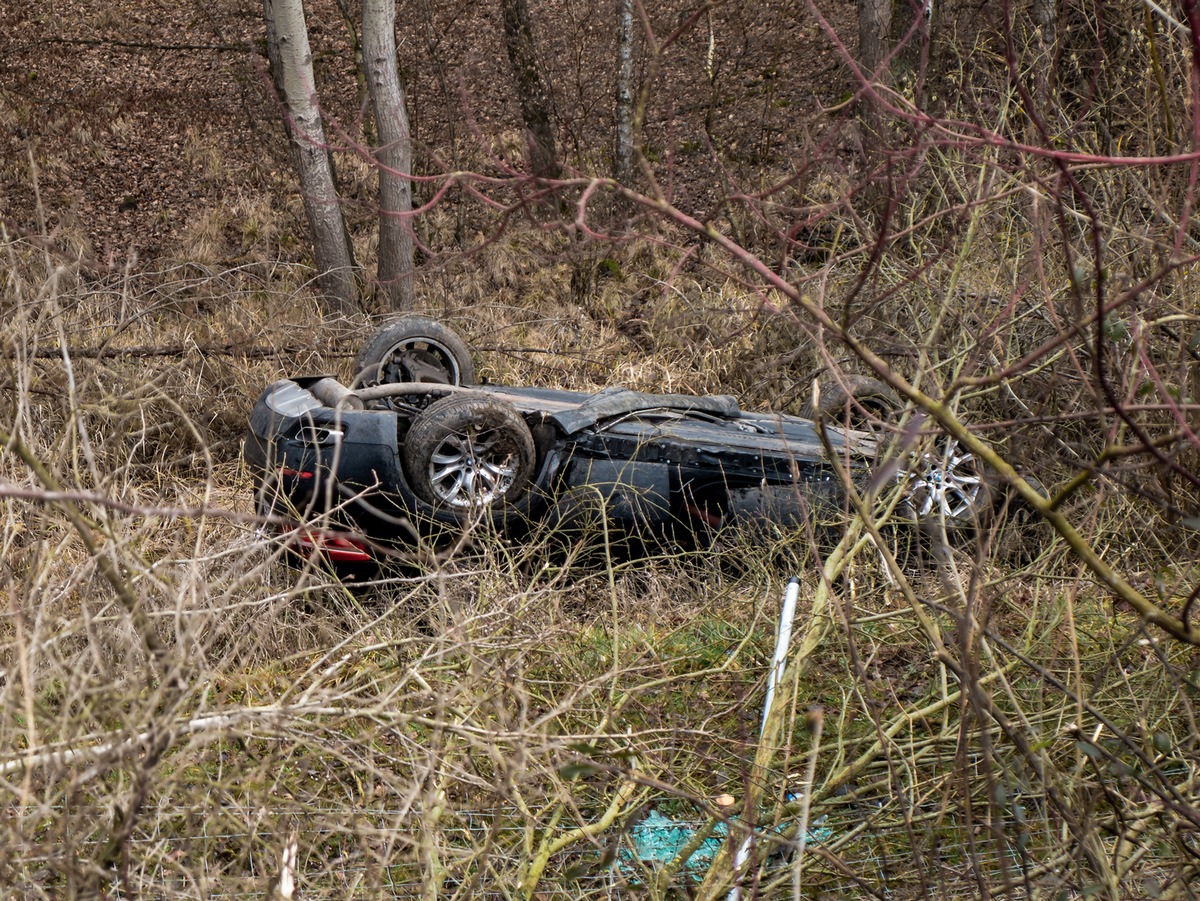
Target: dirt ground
(141, 131)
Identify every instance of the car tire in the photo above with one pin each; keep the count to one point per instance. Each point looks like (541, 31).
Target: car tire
(414, 349)
(469, 451)
(1022, 533)
(869, 402)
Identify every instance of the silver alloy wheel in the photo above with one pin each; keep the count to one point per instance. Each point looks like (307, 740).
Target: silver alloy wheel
(469, 470)
(946, 483)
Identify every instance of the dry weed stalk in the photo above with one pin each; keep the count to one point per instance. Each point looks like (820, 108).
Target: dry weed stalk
(174, 702)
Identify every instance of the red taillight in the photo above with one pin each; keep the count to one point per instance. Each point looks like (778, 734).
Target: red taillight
(704, 516)
(295, 473)
(338, 548)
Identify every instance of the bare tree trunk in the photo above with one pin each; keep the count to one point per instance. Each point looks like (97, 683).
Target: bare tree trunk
(394, 154)
(1045, 17)
(291, 66)
(874, 27)
(1045, 20)
(913, 56)
(623, 157)
(531, 91)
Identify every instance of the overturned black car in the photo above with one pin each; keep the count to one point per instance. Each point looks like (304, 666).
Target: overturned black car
(413, 452)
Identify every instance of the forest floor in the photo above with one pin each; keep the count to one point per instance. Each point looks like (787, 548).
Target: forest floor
(139, 131)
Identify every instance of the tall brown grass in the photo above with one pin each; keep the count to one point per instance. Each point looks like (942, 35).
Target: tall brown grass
(178, 706)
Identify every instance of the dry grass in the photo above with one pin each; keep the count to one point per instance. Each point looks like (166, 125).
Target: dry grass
(437, 728)
(176, 704)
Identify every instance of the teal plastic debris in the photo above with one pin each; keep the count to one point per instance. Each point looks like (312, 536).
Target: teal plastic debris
(659, 839)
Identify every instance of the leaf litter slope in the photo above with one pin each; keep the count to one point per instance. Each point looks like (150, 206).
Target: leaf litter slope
(139, 121)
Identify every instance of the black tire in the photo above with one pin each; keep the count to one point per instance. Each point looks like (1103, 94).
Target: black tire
(861, 403)
(469, 451)
(1022, 534)
(414, 349)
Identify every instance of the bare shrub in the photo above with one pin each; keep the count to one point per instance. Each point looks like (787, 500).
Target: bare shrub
(178, 707)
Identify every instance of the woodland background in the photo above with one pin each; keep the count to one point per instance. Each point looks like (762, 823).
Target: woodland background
(991, 205)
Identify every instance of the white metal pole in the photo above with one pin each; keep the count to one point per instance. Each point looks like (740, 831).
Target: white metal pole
(781, 647)
(782, 643)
